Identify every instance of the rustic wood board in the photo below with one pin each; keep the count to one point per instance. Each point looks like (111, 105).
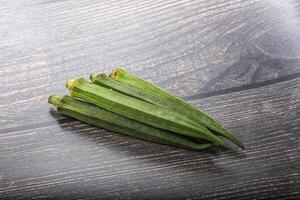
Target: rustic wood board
(238, 60)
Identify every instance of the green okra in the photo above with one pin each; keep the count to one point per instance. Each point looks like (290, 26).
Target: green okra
(105, 81)
(113, 122)
(139, 88)
(139, 110)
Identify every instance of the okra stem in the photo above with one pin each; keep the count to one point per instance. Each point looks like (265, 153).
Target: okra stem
(55, 100)
(110, 121)
(139, 110)
(105, 81)
(139, 88)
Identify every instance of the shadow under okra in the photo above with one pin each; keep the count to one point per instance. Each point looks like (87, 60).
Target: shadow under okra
(147, 152)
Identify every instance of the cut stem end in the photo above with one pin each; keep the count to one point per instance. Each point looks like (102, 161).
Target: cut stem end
(93, 77)
(116, 73)
(54, 100)
(70, 83)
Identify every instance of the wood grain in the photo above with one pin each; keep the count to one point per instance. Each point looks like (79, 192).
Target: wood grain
(238, 60)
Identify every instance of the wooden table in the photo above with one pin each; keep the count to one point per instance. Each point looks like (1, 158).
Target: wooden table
(238, 60)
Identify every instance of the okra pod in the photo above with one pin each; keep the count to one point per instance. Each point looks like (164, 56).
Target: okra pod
(113, 122)
(139, 110)
(105, 81)
(158, 96)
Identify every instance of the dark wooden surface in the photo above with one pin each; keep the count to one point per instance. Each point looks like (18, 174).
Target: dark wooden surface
(238, 60)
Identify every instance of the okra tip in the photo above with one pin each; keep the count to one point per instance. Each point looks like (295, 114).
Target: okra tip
(239, 143)
(242, 146)
(233, 139)
(54, 100)
(117, 73)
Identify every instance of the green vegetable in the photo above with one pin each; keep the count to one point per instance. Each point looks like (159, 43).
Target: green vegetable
(113, 122)
(134, 86)
(105, 81)
(139, 110)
